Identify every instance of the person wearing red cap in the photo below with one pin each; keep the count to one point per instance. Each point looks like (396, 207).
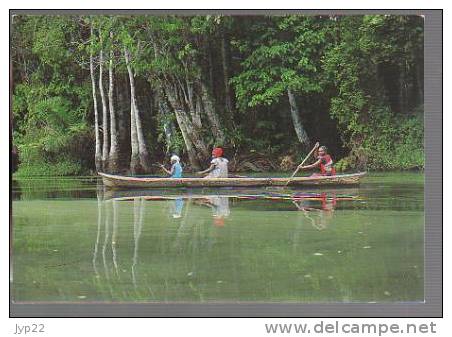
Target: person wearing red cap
(218, 166)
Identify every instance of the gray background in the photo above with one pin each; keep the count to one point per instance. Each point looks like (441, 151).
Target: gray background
(433, 304)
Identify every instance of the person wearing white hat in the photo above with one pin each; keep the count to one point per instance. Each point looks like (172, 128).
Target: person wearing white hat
(176, 167)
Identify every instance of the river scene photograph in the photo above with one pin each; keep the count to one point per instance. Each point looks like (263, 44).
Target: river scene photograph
(217, 158)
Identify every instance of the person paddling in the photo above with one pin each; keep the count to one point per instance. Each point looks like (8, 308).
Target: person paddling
(324, 162)
(176, 167)
(218, 166)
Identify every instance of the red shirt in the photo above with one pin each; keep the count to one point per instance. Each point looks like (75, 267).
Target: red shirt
(326, 165)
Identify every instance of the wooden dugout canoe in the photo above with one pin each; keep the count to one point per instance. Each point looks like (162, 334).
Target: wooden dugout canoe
(116, 181)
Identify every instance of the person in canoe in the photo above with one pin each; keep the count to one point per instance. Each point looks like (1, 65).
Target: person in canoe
(218, 166)
(324, 163)
(176, 167)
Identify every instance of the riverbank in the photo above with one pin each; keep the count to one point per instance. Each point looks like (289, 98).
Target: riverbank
(253, 162)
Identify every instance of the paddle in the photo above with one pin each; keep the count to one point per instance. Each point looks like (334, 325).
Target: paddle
(309, 154)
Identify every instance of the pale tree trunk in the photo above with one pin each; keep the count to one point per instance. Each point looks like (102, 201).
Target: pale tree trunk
(134, 158)
(191, 151)
(105, 145)
(196, 148)
(167, 122)
(298, 126)
(135, 166)
(195, 111)
(113, 155)
(201, 149)
(135, 123)
(212, 115)
(142, 150)
(122, 114)
(98, 154)
(225, 63)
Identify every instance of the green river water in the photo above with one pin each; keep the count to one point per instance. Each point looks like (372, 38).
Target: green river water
(73, 241)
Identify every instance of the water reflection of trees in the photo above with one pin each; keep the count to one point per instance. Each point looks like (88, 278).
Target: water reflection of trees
(188, 239)
(138, 207)
(317, 209)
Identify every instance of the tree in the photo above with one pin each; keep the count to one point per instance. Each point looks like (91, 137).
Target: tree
(140, 156)
(98, 153)
(368, 60)
(105, 141)
(280, 61)
(113, 153)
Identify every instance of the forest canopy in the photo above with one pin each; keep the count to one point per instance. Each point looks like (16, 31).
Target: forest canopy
(121, 93)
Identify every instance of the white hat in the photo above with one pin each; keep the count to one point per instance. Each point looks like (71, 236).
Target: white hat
(175, 158)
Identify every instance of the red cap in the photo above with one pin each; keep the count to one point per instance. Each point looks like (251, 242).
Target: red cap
(217, 152)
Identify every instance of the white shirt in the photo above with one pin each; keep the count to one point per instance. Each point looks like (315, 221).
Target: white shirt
(221, 168)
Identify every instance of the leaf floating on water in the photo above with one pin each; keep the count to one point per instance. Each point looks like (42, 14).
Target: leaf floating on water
(367, 247)
(318, 254)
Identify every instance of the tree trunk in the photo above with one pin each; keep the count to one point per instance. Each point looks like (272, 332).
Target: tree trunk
(113, 155)
(196, 148)
(298, 126)
(98, 154)
(167, 122)
(194, 108)
(211, 67)
(105, 145)
(134, 158)
(209, 107)
(123, 119)
(191, 151)
(142, 150)
(225, 62)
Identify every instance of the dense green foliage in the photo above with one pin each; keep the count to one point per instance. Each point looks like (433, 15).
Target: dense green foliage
(264, 87)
